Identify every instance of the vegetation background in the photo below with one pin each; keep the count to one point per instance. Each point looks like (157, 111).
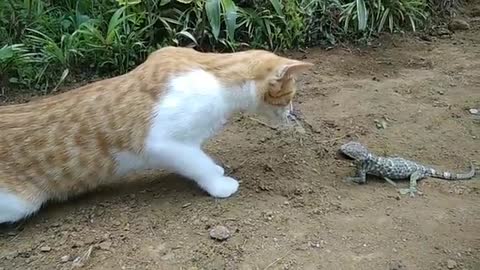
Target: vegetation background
(44, 43)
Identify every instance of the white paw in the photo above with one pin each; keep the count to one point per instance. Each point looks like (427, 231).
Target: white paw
(220, 170)
(222, 187)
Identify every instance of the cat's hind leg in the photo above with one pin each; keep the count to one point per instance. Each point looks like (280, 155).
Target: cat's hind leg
(14, 208)
(191, 162)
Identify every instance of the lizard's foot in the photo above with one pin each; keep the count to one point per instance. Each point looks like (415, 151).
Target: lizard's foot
(358, 180)
(412, 191)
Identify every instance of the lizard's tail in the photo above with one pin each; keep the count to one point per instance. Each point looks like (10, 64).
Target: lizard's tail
(454, 176)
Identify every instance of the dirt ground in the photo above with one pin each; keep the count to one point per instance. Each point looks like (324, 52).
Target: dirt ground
(294, 210)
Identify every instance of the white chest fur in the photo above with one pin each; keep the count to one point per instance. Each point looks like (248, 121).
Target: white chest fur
(194, 107)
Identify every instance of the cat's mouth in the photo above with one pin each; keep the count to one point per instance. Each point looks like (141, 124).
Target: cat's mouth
(294, 119)
(280, 117)
(283, 117)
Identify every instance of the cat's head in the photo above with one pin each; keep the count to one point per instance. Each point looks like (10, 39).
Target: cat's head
(275, 85)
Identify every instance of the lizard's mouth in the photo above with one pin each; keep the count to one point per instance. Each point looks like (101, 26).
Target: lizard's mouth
(342, 154)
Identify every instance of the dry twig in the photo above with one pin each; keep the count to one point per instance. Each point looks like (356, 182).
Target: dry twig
(263, 123)
(81, 261)
(278, 259)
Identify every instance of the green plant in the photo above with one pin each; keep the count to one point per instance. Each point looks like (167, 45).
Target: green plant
(445, 8)
(115, 44)
(218, 9)
(63, 53)
(264, 28)
(55, 57)
(372, 16)
(323, 21)
(61, 39)
(13, 60)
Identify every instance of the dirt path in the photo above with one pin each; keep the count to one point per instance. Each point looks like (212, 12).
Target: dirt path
(294, 211)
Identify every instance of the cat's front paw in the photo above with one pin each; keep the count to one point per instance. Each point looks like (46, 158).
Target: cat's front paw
(222, 187)
(220, 170)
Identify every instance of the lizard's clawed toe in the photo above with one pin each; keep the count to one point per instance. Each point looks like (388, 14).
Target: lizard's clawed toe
(410, 191)
(357, 180)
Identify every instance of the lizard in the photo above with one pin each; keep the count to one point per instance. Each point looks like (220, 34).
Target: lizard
(395, 168)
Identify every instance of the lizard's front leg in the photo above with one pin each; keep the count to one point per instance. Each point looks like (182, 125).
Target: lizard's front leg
(361, 177)
(412, 189)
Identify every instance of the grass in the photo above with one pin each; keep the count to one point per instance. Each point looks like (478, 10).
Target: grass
(46, 42)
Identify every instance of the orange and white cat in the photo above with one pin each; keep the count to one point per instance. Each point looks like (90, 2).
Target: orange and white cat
(155, 117)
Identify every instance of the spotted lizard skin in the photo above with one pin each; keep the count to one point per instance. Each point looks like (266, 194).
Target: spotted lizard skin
(394, 168)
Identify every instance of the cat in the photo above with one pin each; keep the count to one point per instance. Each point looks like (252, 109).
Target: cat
(154, 117)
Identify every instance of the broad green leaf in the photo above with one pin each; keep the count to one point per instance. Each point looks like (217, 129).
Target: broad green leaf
(390, 22)
(412, 22)
(62, 78)
(382, 21)
(187, 35)
(277, 5)
(5, 53)
(347, 14)
(362, 15)
(212, 7)
(128, 2)
(230, 11)
(115, 21)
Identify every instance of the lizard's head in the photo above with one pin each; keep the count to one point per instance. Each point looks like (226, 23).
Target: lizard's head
(355, 150)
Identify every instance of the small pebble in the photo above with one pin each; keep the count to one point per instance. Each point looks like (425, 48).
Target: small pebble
(219, 233)
(65, 258)
(475, 12)
(458, 24)
(451, 264)
(77, 244)
(45, 249)
(381, 124)
(105, 245)
(397, 265)
(473, 111)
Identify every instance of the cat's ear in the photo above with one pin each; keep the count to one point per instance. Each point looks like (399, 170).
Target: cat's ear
(281, 87)
(291, 68)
